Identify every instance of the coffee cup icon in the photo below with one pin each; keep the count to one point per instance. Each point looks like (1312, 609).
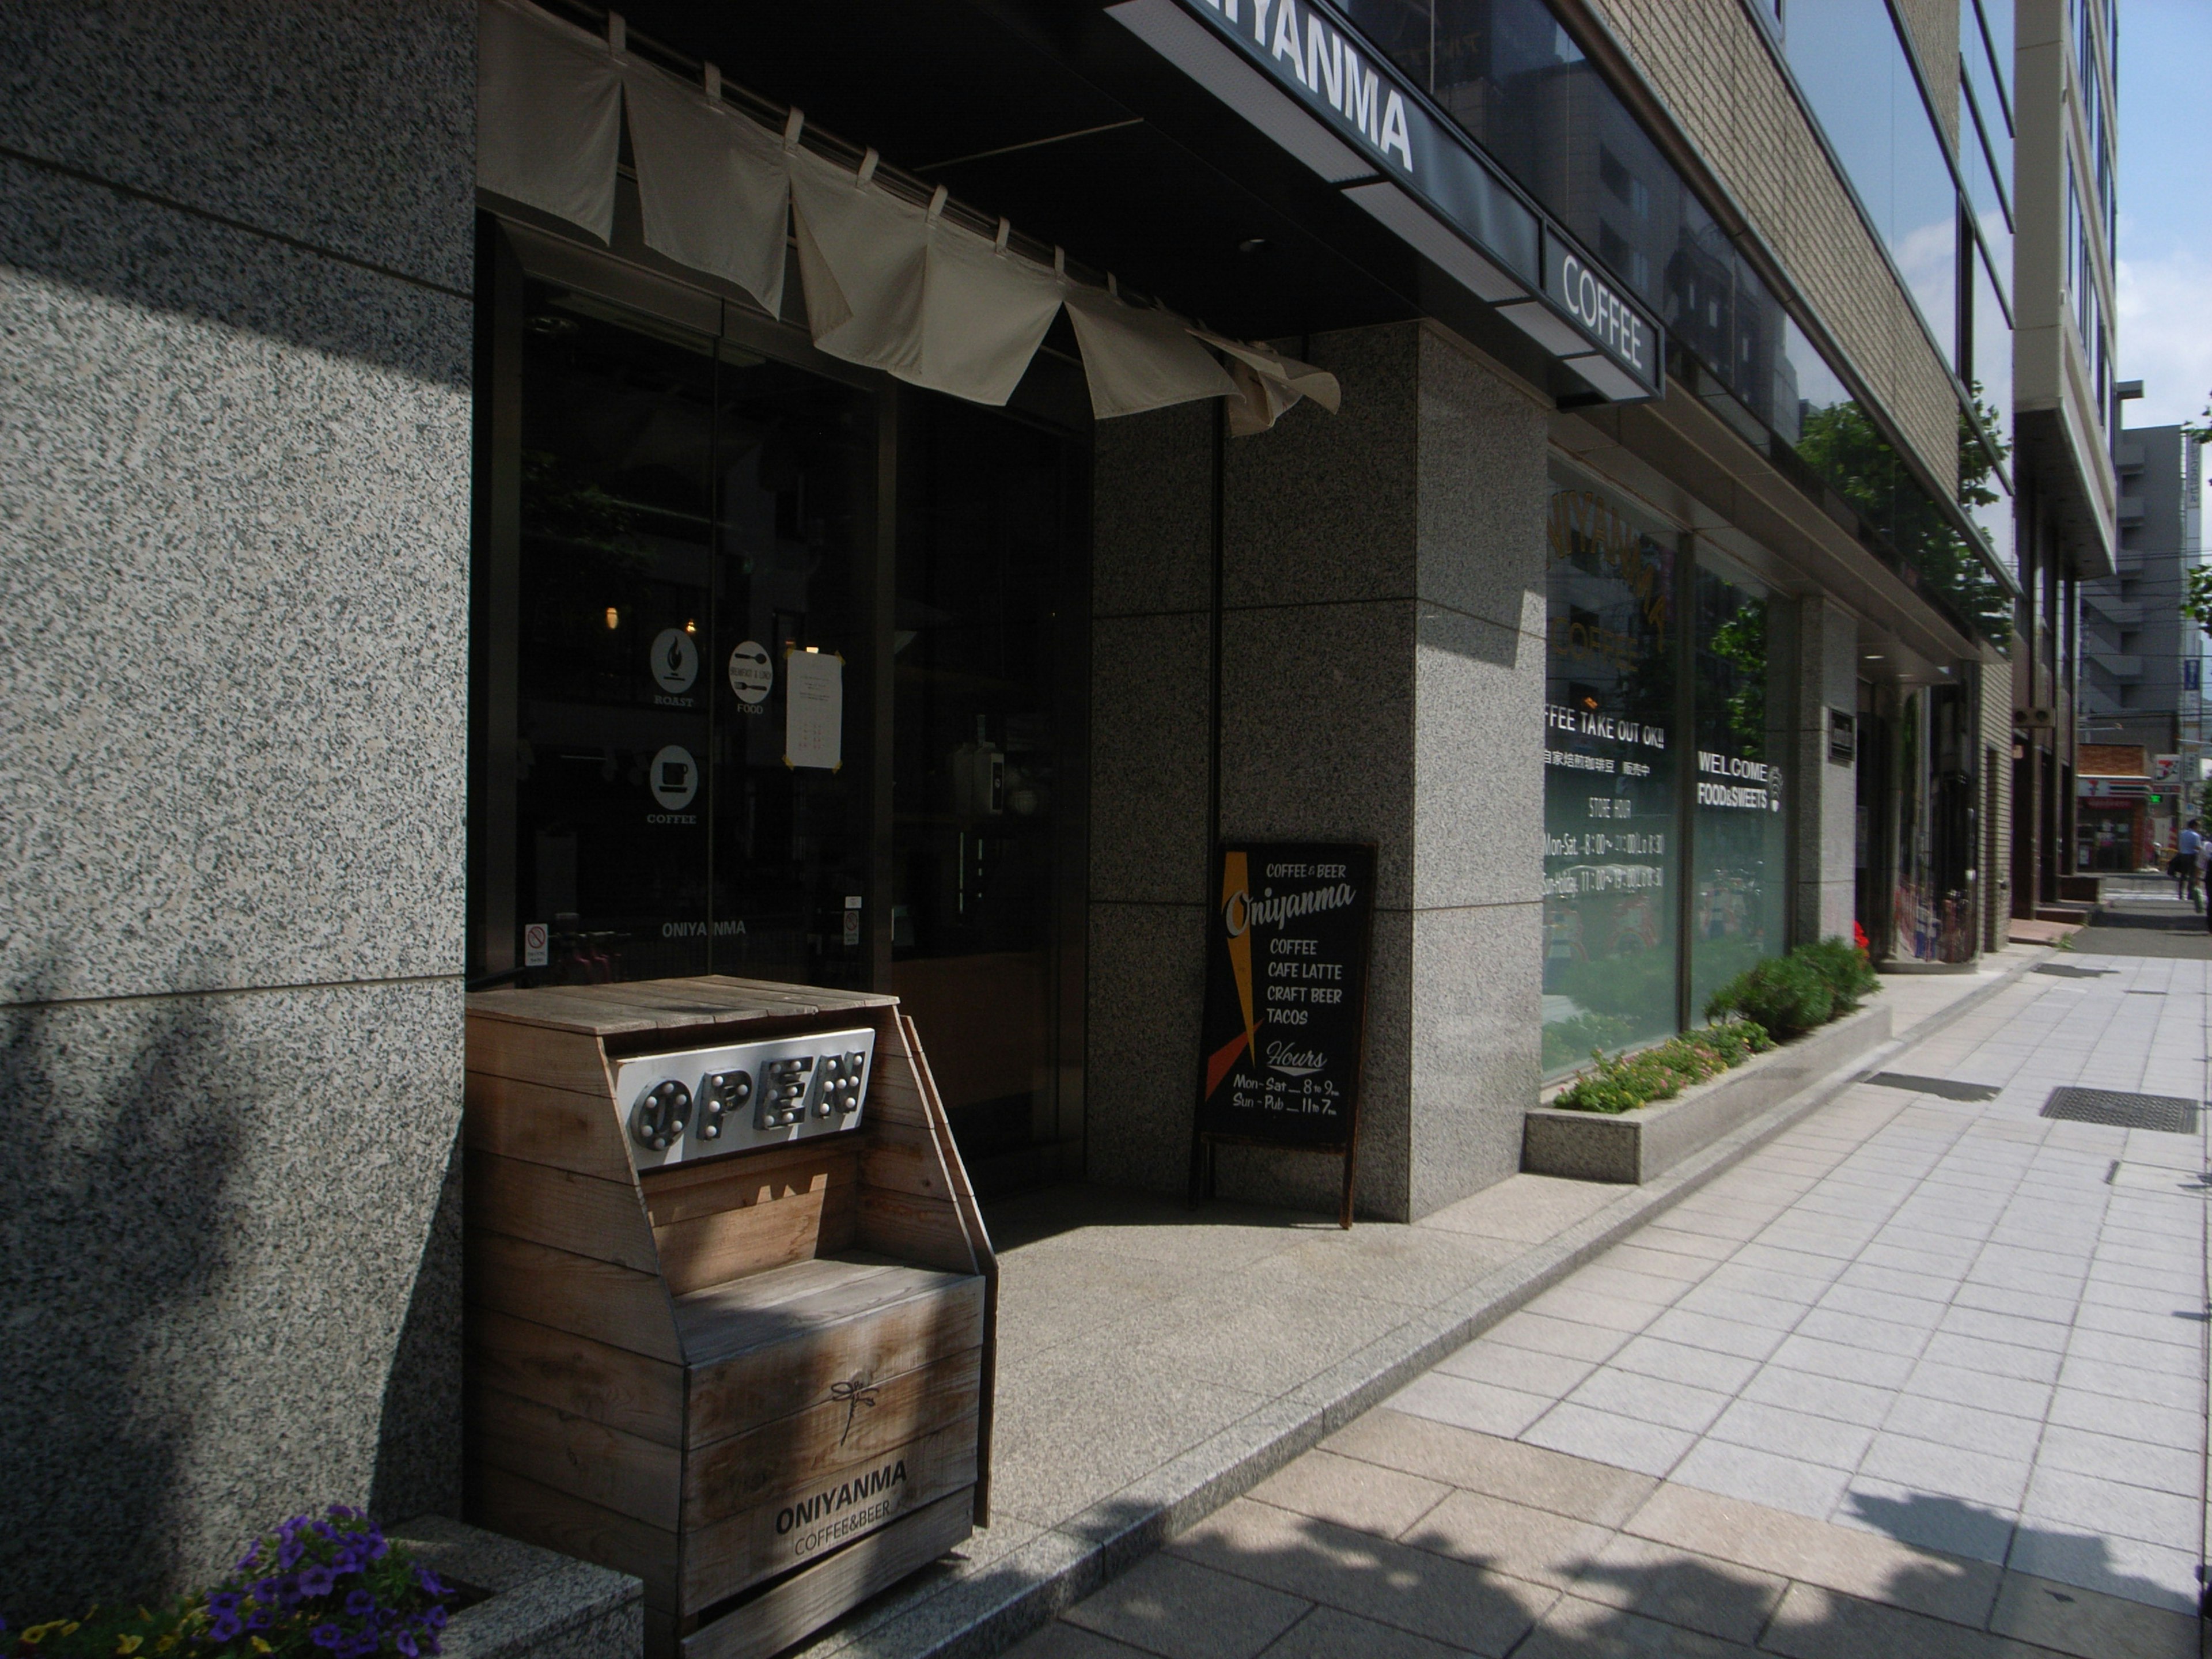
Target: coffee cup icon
(675, 778)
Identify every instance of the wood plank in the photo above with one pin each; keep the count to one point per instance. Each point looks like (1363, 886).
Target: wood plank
(924, 1231)
(671, 1003)
(713, 1248)
(537, 1514)
(789, 1612)
(979, 1238)
(563, 1128)
(766, 1379)
(793, 1526)
(535, 1053)
(804, 998)
(570, 1292)
(552, 1008)
(623, 1473)
(876, 1415)
(893, 1094)
(603, 1219)
(903, 1157)
(574, 1374)
(678, 1192)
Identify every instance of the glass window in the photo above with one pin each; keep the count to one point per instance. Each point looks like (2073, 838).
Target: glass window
(1986, 199)
(1740, 873)
(1610, 814)
(687, 516)
(1989, 378)
(1985, 61)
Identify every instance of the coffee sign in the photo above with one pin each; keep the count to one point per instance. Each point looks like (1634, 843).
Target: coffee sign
(1286, 994)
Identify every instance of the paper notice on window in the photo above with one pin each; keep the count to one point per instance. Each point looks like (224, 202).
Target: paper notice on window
(814, 709)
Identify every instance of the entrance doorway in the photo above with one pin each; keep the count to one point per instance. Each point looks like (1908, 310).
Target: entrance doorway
(783, 675)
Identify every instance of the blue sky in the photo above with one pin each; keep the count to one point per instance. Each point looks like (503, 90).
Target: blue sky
(2165, 253)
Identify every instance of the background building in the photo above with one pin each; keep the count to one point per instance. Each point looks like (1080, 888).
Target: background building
(392, 536)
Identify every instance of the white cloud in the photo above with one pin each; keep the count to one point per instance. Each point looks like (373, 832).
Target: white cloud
(2166, 339)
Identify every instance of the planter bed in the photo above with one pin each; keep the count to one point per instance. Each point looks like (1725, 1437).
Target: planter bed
(534, 1604)
(1633, 1147)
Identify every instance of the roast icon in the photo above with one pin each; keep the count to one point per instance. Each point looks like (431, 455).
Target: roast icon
(674, 660)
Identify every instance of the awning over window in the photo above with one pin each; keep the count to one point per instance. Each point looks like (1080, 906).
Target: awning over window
(888, 283)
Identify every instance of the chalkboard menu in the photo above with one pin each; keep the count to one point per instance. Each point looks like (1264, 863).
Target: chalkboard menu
(1285, 999)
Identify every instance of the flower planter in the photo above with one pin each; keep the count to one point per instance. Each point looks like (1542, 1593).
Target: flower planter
(1636, 1146)
(535, 1603)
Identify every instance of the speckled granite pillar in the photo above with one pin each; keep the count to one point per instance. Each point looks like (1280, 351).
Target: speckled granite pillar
(1382, 680)
(1825, 825)
(235, 326)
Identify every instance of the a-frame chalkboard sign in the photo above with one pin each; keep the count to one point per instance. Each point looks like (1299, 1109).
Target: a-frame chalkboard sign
(1285, 1020)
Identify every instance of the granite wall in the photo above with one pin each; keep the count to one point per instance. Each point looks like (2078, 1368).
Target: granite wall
(235, 332)
(1381, 680)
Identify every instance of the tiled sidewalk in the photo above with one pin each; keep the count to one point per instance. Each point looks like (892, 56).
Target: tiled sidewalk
(1919, 1371)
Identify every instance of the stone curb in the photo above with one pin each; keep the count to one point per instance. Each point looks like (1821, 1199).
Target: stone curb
(989, 1611)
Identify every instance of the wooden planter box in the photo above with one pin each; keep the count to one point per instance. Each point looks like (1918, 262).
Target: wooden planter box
(748, 1363)
(1636, 1146)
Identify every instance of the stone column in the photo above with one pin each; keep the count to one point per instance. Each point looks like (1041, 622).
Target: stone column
(235, 335)
(1826, 828)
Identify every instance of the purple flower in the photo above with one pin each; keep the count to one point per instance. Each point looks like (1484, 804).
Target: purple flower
(222, 1601)
(317, 1580)
(358, 1647)
(435, 1617)
(262, 1589)
(341, 1512)
(288, 1590)
(287, 1556)
(359, 1603)
(246, 1561)
(224, 1627)
(327, 1636)
(406, 1644)
(431, 1583)
(259, 1619)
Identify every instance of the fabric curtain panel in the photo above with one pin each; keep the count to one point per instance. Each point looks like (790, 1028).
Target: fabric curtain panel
(1268, 385)
(548, 115)
(713, 190)
(984, 313)
(861, 255)
(1137, 360)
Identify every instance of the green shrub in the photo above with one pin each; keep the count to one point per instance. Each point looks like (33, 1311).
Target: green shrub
(1734, 1040)
(1785, 995)
(1663, 1070)
(1850, 976)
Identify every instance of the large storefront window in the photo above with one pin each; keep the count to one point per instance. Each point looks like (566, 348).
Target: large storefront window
(1610, 769)
(1739, 835)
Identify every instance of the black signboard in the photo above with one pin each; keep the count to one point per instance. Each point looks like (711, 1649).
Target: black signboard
(1286, 1001)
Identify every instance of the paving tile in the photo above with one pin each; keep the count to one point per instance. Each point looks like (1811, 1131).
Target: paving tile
(1060, 1640)
(1646, 1289)
(1506, 1366)
(2131, 1383)
(2129, 1419)
(1796, 1289)
(2082, 1503)
(1788, 1433)
(2019, 1304)
(1681, 1588)
(1528, 1474)
(1431, 1595)
(1883, 1304)
(2153, 1574)
(1655, 1263)
(1792, 1545)
(1782, 1259)
(1730, 1336)
(1579, 1629)
(1350, 1492)
(1860, 1331)
(1951, 1471)
(1806, 1353)
(2137, 1352)
(2135, 1462)
(1604, 1438)
(1862, 1403)
(1331, 1633)
(1613, 1313)
(1948, 1423)
(1545, 1334)
(1928, 1520)
(1812, 1623)
(1522, 1542)
(1990, 1326)
(1900, 1281)
(1652, 1355)
(1650, 1398)
(2016, 1397)
(1744, 1307)
(1175, 1607)
(1480, 1406)
(2178, 1327)
(1676, 1242)
(1975, 1353)
(1809, 1489)
(2088, 1624)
